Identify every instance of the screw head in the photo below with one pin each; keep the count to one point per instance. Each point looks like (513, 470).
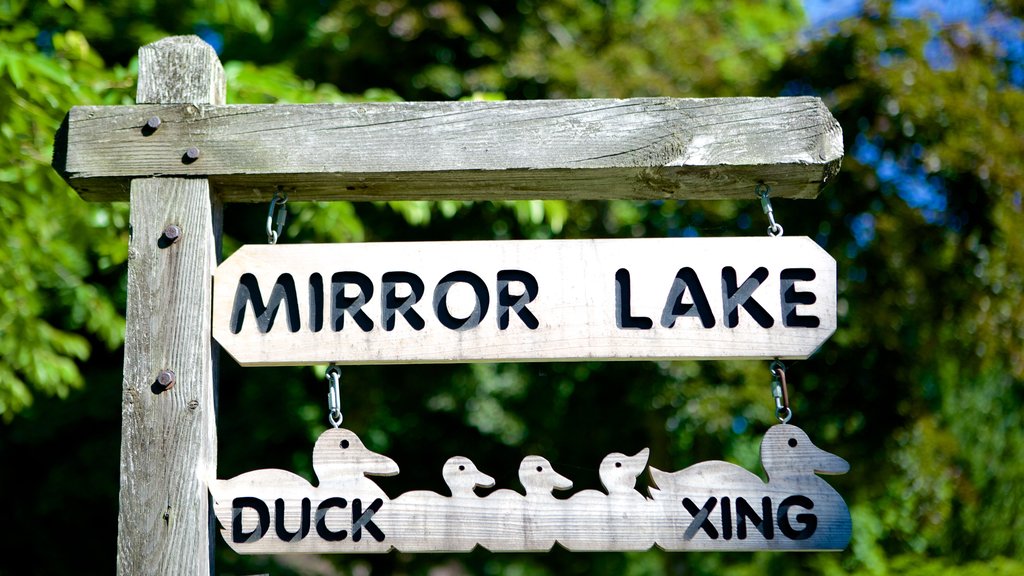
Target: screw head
(166, 379)
(172, 233)
(153, 123)
(192, 154)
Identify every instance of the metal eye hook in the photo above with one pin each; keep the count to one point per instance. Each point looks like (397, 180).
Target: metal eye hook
(763, 190)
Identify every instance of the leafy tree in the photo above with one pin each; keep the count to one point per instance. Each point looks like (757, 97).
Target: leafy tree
(60, 274)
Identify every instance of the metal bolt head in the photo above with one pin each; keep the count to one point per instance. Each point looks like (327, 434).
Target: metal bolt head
(172, 233)
(192, 154)
(153, 123)
(166, 379)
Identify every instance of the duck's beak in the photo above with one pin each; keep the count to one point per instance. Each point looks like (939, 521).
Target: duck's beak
(641, 457)
(827, 463)
(559, 482)
(483, 480)
(379, 465)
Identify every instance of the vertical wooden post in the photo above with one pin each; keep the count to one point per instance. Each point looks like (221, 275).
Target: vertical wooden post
(169, 433)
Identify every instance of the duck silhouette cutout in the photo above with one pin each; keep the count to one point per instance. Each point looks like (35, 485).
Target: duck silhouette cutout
(462, 477)
(252, 518)
(343, 465)
(712, 505)
(539, 479)
(530, 522)
(426, 520)
(598, 521)
(726, 507)
(280, 510)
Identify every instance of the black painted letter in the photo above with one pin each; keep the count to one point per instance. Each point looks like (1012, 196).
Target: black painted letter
(674, 307)
(316, 302)
(283, 532)
(321, 520)
(726, 518)
(262, 521)
(248, 291)
(354, 305)
(810, 521)
(516, 302)
(791, 298)
(362, 520)
(700, 518)
(483, 301)
(733, 297)
(390, 303)
(762, 523)
(623, 317)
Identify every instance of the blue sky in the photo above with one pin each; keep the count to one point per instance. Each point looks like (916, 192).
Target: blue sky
(822, 12)
(914, 186)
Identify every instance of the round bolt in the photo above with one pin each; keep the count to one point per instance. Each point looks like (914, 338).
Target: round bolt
(166, 379)
(172, 233)
(153, 123)
(192, 154)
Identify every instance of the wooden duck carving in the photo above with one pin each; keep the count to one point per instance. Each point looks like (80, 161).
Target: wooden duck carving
(707, 506)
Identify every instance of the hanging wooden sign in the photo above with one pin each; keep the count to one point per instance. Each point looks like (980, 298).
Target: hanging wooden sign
(707, 506)
(693, 298)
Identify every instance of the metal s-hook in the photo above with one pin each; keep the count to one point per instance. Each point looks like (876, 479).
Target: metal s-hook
(333, 376)
(763, 190)
(278, 203)
(780, 392)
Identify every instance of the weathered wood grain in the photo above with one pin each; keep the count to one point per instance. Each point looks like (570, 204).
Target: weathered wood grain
(635, 299)
(643, 148)
(169, 435)
(707, 506)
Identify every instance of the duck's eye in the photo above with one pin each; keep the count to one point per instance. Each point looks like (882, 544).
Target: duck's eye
(792, 442)
(618, 464)
(540, 468)
(344, 443)
(461, 468)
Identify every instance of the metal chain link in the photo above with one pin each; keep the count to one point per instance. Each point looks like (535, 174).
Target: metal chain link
(333, 376)
(278, 203)
(780, 392)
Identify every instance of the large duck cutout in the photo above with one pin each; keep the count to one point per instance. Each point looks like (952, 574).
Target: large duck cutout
(728, 508)
(278, 511)
(707, 506)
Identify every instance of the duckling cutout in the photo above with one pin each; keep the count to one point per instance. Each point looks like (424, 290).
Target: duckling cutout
(531, 523)
(708, 506)
(612, 521)
(720, 506)
(425, 521)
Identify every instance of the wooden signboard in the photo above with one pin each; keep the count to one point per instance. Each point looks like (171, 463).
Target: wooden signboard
(180, 152)
(525, 300)
(707, 506)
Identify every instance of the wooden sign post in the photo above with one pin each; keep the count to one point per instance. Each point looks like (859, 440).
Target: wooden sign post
(180, 152)
(169, 430)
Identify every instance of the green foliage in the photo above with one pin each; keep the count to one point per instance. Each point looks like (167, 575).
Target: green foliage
(920, 388)
(62, 265)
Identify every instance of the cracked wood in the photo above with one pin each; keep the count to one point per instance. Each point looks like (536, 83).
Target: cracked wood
(642, 148)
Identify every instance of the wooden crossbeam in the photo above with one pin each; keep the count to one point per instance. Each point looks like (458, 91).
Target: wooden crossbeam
(642, 148)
